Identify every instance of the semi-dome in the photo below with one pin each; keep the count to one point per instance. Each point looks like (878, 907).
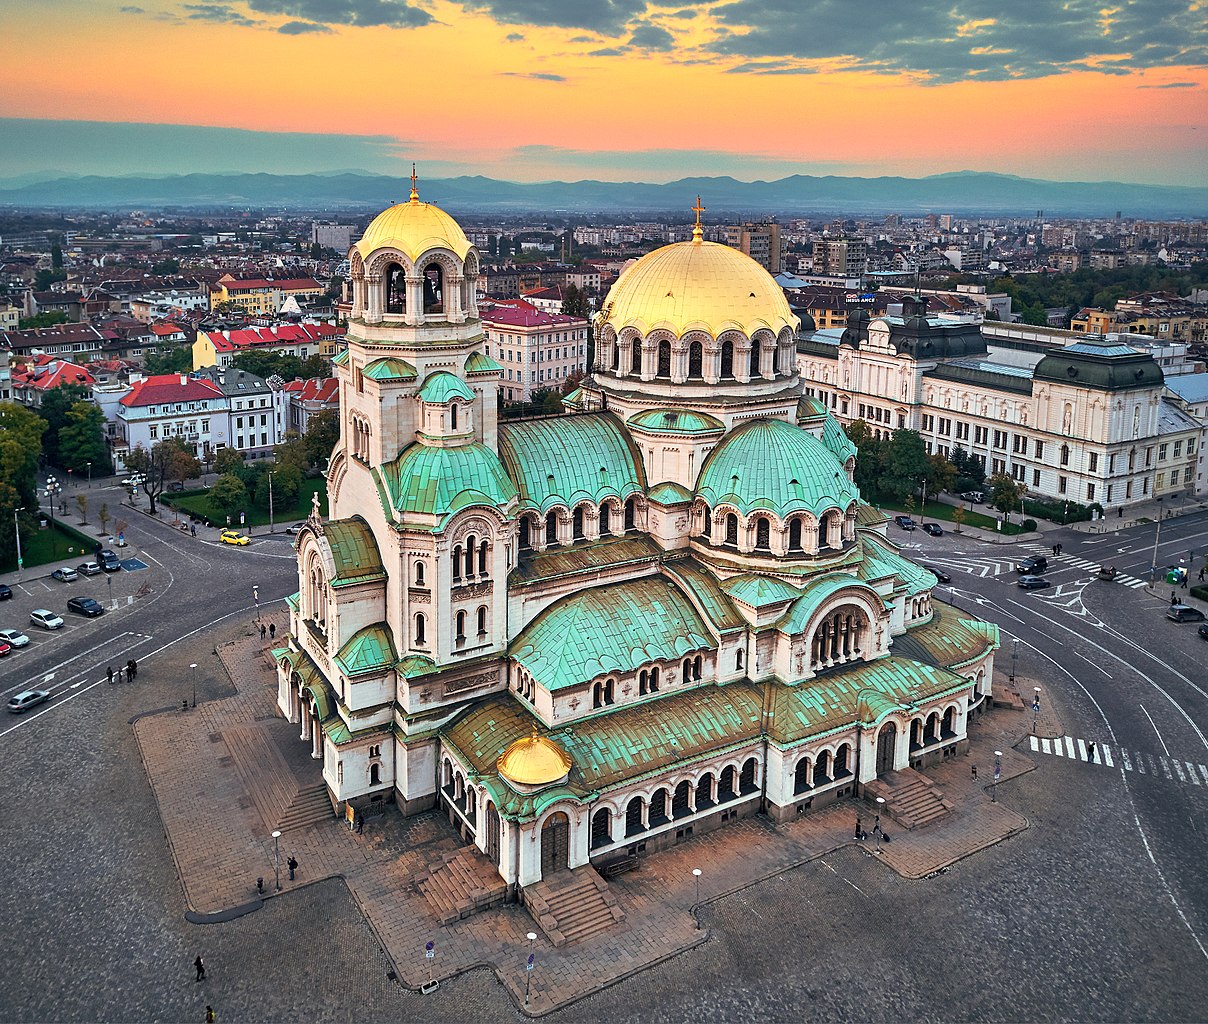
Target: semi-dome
(774, 465)
(413, 228)
(697, 285)
(534, 761)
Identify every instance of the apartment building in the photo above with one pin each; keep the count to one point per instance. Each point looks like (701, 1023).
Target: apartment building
(537, 349)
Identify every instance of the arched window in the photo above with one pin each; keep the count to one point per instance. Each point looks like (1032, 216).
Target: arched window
(633, 816)
(453, 416)
(738, 660)
(616, 357)
(631, 512)
(654, 680)
(526, 539)
(396, 289)
(696, 667)
(696, 361)
(763, 534)
(643, 683)
(801, 776)
(664, 360)
(419, 573)
(576, 524)
(753, 365)
(482, 621)
(471, 548)
(375, 774)
(457, 562)
(421, 629)
(795, 535)
(610, 686)
(605, 521)
(705, 516)
(823, 532)
(601, 828)
(434, 288)
(727, 360)
(482, 558)
(551, 528)
(461, 626)
(746, 780)
(731, 530)
(597, 695)
(635, 356)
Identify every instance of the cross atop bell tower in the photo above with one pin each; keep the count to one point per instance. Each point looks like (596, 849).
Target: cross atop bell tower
(698, 209)
(414, 190)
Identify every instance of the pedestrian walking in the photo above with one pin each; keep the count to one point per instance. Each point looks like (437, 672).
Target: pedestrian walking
(133, 669)
(200, 967)
(120, 670)
(360, 824)
(193, 529)
(263, 630)
(110, 675)
(1184, 581)
(973, 772)
(130, 670)
(292, 863)
(857, 826)
(209, 1009)
(1201, 575)
(272, 631)
(1092, 750)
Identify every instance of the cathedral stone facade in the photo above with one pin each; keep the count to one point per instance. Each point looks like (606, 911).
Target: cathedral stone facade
(592, 634)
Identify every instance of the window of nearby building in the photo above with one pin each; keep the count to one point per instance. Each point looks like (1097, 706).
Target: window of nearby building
(1187, 475)
(1161, 480)
(1000, 439)
(1035, 478)
(1178, 449)
(980, 434)
(1090, 492)
(945, 426)
(1093, 462)
(1162, 452)
(1062, 484)
(1039, 449)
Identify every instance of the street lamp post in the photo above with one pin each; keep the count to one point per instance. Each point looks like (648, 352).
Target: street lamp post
(112, 599)
(90, 476)
(17, 532)
(997, 776)
(529, 965)
(1035, 707)
(876, 825)
(53, 488)
(696, 878)
(1153, 572)
(270, 502)
(256, 598)
(1014, 657)
(193, 676)
(277, 857)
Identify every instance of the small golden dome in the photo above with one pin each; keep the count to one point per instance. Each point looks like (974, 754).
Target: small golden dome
(413, 228)
(534, 761)
(697, 285)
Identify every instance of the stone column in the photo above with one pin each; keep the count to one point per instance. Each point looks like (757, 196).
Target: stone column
(316, 742)
(415, 300)
(374, 286)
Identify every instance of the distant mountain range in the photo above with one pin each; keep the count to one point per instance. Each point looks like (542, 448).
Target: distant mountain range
(961, 192)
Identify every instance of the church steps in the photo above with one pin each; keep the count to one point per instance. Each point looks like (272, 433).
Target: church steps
(461, 883)
(572, 905)
(310, 806)
(266, 777)
(910, 798)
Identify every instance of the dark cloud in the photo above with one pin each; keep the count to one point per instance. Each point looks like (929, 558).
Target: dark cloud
(514, 37)
(216, 12)
(609, 51)
(301, 28)
(1172, 85)
(608, 16)
(541, 76)
(651, 37)
(360, 13)
(979, 39)
(132, 10)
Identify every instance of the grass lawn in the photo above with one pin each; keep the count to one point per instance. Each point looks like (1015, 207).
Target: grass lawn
(41, 547)
(198, 503)
(943, 512)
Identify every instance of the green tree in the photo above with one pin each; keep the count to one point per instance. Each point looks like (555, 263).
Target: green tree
(958, 516)
(177, 359)
(10, 502)
(228, 494)
(47, 319)
(315, 366)
(906, 464)
(227, 460)
(265, 364)
(56, 404)
(43, 279)
(574, 303)
(20, 442)
(493, 244)
(56, 256)
(154, 465)
(165, 267)
(321, 437)
(292, 452)
(941, 474)
(82, 440)
(1005, 493)
(103, 516)
(287, 483)
(82, 502)
(182, 466)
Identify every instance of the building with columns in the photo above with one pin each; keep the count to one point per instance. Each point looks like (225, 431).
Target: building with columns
(595, 634)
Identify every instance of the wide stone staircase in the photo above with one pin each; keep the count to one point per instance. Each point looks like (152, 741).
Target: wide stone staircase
(461, 883)
(271, 784)
(570, 906)
(911, 799)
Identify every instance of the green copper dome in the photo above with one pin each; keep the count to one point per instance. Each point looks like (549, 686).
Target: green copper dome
(777, 466)
(440, 481)
(675, 421)
(442, 386)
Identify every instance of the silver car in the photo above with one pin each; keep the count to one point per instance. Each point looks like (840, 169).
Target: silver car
(26, 699)
(45, 618)
(14, 637)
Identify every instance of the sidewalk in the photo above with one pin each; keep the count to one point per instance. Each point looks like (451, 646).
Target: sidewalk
(221, 846)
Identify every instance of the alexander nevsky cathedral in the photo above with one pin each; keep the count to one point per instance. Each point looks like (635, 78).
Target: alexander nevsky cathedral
(593, 634)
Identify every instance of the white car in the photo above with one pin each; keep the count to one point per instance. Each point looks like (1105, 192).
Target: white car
(134, 481)
(13, 637)
(45, 618)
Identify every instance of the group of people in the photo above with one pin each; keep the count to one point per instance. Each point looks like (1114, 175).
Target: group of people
(130, 669)
(270, 630)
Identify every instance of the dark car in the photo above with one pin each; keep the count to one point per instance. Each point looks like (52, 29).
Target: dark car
(933, 529)
(1184, 613)
(109, 561)
(1032, 582)
(1203, 631)
(5, 591)
(905, 522)
(938, 573)
(85, 606)
(1033, 565)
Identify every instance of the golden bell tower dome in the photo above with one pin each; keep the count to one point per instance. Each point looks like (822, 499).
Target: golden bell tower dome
(413, 228)
(534, 761)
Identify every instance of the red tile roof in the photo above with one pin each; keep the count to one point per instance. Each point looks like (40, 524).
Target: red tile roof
(271, 337)
(169, 388)
(518, 313)
(314, 390)
(251, 284)
(48, 372)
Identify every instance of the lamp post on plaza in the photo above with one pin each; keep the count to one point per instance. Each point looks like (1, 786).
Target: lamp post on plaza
(1014, 656)
(277, 857)
(270, 502)
(529, 965)
(90, 476)
(876, 826)
(696, 878)
(17, 534)
(193, 676)
(1153, 571)
(53, 489)
(1035, 707)
(997, 776)
(256, 598)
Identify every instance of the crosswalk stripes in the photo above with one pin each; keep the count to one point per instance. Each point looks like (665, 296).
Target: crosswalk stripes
(1082, 563)
(1143, 763)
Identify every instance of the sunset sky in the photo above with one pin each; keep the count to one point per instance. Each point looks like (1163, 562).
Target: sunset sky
(609, 89)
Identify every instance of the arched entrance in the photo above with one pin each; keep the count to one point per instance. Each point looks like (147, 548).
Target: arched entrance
(887, 747)
(492, 833)
(555, 844)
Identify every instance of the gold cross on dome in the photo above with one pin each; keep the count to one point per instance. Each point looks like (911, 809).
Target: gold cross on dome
(698, 209)
(414, 179)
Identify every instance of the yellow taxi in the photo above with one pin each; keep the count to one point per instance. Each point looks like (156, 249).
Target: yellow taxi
(231, 537)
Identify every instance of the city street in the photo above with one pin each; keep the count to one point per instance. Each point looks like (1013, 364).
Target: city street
(1097, 911)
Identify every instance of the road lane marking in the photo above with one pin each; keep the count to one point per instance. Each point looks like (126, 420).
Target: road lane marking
(1155, 729)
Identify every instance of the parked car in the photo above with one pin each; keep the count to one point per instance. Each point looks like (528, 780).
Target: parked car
(134, 481)
(88, 568)
(933, 529)
(45, 618)
(5, 649)
(1032, 582)
(85, 606)
(109, 561)
(1184, 613)
(976, 497)
(231, 537)
(905, 522)
(14, 637)
(27, 699)
(938, 573)
(5, 591)
(1203, 631)
(292, 530)
(65, 575)
(1033, 565)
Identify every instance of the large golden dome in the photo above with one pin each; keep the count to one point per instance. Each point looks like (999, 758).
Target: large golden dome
(697, 285)
(534, 761)
(413, 228)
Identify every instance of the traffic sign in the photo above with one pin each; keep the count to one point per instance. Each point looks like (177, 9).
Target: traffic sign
(532, 960)
(430, 950)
